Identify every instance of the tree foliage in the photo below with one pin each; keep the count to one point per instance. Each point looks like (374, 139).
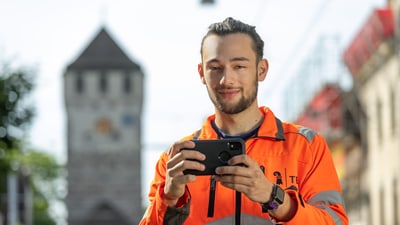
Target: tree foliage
(40, 169)
(16, 114)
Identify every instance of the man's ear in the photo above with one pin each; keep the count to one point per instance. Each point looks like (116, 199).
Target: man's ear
(201, 73)
(262, 69)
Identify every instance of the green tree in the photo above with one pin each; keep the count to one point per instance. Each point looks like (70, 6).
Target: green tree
(16, 115)
(40, 170)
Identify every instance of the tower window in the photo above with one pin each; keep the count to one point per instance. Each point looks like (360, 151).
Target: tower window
(103, 86)
(127, 84)
(79, 85)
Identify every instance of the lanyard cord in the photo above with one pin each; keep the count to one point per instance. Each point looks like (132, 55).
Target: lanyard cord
(211, 197)
(238, 206)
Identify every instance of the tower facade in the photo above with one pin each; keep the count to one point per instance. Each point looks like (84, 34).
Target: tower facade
(103, 92)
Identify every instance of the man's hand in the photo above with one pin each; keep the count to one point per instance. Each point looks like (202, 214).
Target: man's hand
(251, 181)
(180, 160)
(248, 179)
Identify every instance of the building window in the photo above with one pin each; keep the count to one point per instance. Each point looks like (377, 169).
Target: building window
(393, 121)
(127, 84)
(382, 206)
(379, 120)
(396, 202)
(103, 86)
(79, 85)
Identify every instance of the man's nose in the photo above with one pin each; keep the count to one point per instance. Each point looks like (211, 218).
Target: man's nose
(227, 77)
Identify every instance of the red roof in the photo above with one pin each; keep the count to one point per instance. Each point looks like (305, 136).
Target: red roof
(378, 27)
(324, 112)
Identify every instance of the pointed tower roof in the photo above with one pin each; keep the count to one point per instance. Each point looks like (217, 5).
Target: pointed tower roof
(103, 53)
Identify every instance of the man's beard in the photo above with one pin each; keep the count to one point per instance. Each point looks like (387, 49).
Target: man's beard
(243, 103)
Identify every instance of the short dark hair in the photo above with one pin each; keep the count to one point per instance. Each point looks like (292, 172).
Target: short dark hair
(232, 26)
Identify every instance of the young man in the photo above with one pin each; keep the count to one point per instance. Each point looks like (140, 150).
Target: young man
(288, 175)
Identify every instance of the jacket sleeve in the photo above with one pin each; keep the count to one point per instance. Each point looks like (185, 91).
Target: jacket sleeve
(319, 197)
(158, 212)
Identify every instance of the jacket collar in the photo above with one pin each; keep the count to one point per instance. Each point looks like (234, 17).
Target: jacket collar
(271, 127)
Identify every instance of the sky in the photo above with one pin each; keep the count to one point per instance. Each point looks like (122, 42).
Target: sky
(164, 38)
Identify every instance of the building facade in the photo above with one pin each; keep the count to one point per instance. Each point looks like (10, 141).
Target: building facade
(103, 92)
(373, 60)
(362, 124)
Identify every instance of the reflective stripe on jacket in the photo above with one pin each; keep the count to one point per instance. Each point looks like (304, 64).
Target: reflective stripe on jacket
(294, 157)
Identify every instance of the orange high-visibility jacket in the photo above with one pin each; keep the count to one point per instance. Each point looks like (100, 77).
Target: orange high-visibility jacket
(296, 158)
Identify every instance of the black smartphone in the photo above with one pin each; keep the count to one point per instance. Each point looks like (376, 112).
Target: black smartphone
(217, 152)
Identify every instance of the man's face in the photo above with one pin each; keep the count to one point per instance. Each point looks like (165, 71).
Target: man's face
(229, 70)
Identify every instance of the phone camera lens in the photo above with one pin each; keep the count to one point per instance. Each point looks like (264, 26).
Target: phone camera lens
(234, 145)
(224, 156)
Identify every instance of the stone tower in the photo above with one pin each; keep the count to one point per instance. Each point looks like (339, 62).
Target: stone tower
(103, 92)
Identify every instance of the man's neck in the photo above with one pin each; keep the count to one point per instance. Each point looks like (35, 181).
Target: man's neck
(241, 123)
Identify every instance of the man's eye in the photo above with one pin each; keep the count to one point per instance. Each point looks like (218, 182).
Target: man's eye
(215, 68)
(239, 67)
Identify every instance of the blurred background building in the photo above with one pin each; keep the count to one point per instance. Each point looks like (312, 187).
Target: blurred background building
(373, 61)
(103, 98)
(361, 122)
